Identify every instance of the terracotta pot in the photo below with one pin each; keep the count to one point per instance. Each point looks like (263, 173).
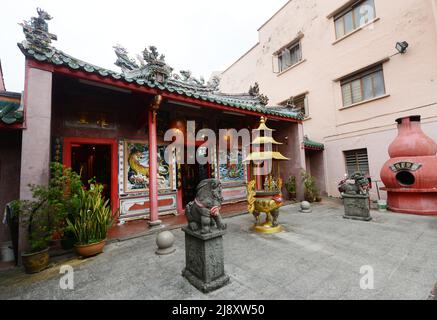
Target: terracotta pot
(89, 250)
(35, 262)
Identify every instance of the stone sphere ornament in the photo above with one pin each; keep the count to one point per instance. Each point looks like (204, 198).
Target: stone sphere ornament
(165, 241)
(305, 207)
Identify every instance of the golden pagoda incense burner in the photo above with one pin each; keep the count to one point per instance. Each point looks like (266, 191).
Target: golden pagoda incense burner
(264, 191)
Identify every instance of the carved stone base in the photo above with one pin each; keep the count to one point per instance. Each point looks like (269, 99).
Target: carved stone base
(204, 266)
(356, 207)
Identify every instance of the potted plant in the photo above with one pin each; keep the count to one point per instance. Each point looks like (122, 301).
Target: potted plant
(39, 222)
(290, 185)
(62, 196)
(68, 199)
(311, 190)
(91, 224)
(45, 215)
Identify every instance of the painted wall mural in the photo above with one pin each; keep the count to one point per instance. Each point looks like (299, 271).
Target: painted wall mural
(232, 171)
(136, 171)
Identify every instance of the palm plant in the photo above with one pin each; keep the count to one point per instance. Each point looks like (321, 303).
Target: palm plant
(95, 216)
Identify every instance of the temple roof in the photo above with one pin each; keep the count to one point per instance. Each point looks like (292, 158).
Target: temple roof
(11, 111)
(150, 71)
(312, 145)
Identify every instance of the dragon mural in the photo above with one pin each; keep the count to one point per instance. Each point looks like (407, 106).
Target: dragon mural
(138, 170)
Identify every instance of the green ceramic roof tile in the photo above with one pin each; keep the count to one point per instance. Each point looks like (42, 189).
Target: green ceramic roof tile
(313, 144)
(10, 112)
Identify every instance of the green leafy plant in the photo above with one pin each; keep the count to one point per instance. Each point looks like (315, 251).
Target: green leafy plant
(290, 185)
(61, 194)
(94, 218)
(46, 214)
(311, 191)
(39, 222)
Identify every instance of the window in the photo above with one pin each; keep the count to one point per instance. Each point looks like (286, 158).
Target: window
(298, 104)
(363, 86)
(357, 161)
(354, 17)
(289, 56)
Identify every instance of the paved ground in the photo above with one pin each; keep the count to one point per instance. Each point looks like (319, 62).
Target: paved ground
(318, 257)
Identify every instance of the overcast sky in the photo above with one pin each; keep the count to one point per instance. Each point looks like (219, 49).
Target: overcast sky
(199, 35)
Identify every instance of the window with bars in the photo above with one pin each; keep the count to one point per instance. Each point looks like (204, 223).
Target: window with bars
(363, 86)
(354, 17)
(289, 56)
(357, 161)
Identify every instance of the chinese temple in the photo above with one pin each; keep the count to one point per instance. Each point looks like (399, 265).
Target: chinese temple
(111, 125)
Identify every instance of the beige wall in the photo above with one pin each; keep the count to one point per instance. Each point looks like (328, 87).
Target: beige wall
(410, 79)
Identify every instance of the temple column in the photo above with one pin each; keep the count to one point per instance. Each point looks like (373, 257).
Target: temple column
(300, 159)
(153, 162)
(35, 151)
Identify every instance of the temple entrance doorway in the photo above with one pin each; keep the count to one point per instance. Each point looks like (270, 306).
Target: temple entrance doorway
(96, 158)
(93, 162)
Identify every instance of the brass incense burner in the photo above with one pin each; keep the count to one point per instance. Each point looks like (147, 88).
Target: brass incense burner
(264, 191)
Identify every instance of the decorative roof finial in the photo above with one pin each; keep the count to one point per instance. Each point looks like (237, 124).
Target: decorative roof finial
(254, 92)
(151, 66)
(37, 33)
(123, 60)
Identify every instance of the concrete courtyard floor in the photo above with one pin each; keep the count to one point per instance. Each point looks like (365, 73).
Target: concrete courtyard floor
(318, 256)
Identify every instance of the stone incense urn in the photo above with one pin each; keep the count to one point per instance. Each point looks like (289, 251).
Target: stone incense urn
(410, 176)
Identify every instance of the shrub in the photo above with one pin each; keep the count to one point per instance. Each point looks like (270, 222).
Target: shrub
(290, 185)
(51, 205)
(311, 190)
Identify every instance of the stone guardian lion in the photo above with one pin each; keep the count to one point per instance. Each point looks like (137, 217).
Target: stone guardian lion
(204, 212)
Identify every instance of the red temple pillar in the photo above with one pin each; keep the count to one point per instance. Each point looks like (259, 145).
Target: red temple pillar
(153, 163)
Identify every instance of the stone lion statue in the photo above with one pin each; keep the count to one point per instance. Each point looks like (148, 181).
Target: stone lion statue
(360, 185)
(204, 212)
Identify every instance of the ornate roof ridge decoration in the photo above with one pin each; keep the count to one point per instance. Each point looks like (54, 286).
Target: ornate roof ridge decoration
(149, 70)
(36, 31)
(312, 145)
(254, 91)
(151, 66)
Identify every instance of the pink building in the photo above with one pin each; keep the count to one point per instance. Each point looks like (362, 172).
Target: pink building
(336, 63)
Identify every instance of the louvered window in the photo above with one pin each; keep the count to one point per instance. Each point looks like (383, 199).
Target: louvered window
(357, 161)
(354, 17)
(363, 86)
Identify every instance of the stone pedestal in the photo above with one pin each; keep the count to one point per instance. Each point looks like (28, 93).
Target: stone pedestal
(204, 267)
(356, 207)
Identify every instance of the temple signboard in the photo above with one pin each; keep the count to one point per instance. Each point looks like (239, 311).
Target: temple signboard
(405, 165)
